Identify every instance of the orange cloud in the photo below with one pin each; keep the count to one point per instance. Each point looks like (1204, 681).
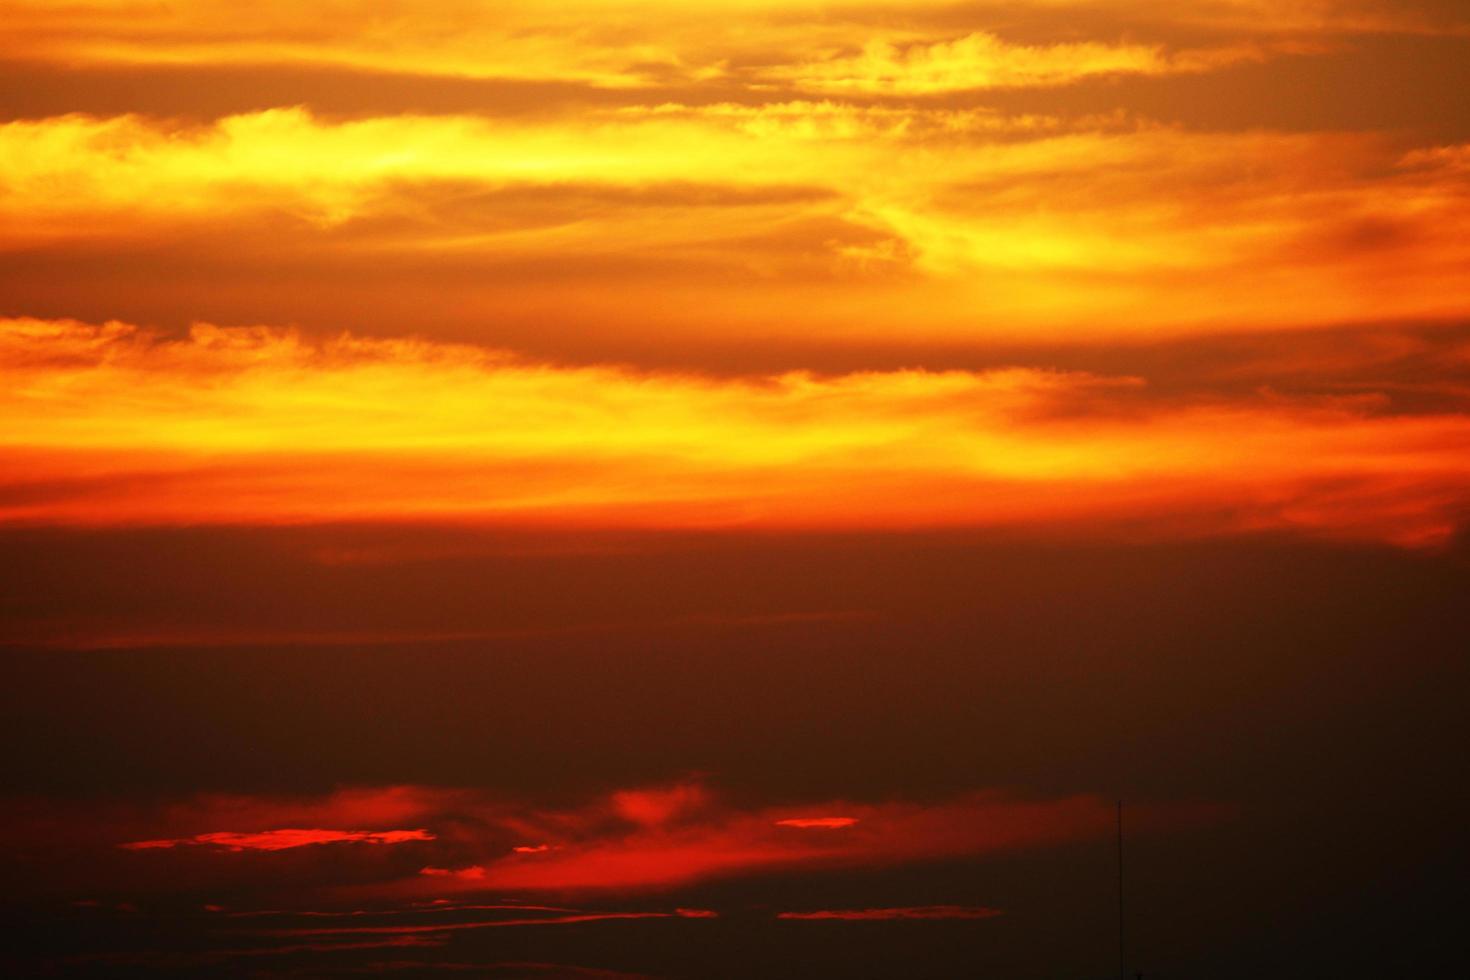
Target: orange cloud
(608, 44)
(818, 823)
(114, 425)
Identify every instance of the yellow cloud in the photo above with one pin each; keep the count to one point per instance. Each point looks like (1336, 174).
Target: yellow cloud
(963, 223)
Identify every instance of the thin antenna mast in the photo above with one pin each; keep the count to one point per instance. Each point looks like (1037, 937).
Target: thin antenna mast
(1122, 970)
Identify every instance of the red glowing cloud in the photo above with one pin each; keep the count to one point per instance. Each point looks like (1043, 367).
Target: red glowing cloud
(280, 840)
(473, 873)
(666, 838)
(653, 807)
(646, 839)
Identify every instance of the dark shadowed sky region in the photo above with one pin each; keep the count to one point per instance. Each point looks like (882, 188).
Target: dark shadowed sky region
(625, 489)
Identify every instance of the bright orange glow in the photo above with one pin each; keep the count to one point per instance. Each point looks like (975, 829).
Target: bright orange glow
(110, 425)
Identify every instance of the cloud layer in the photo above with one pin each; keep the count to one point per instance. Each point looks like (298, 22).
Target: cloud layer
(509, 409)
(114, 425)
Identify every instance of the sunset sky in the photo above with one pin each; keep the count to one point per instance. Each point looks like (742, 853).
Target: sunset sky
(626, 488)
